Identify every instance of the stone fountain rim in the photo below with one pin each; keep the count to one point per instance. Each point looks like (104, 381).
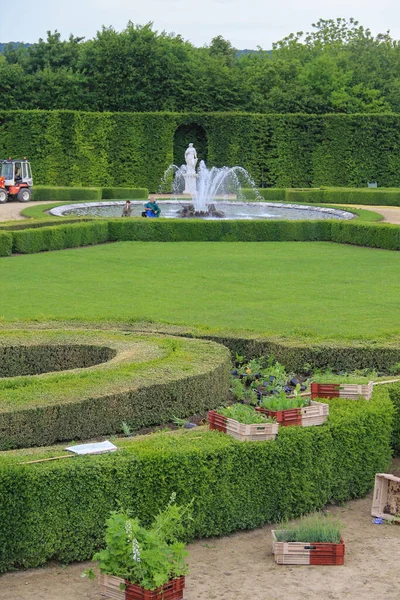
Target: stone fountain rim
(59, 211)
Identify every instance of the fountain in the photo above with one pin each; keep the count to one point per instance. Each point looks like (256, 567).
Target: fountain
(207, 184)
(213, 194)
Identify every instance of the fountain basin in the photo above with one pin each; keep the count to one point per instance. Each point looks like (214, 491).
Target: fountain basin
(232, 210)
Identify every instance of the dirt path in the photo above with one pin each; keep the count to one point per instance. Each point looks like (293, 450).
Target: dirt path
(242, 567)
(391, 214)
(11, 211)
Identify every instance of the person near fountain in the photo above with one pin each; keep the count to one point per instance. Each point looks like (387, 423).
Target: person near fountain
(152, 209)
(127, 210)
(191, 159)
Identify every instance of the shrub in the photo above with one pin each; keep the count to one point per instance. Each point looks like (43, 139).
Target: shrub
(150, 381)
(117, 193)
(57, 509)
(6, 241)
(66, 193)
(267, 194)
(58, 237)
(378, 197)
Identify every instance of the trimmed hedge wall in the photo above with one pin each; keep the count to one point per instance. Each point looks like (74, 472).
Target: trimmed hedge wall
(85, 194)
(134, 149)
(149, 381)
(28, 241)
(66, 193)
(56, 237)
(57, 510)
(6, 241)
(125, 193)
(373, 197)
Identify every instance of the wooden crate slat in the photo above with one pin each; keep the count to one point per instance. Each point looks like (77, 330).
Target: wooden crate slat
(386, 496)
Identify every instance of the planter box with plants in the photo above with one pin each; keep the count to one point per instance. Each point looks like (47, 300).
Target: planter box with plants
(294, 411)
(351, 391)
(144, 564)
(316, 540)
(386, 501)
(243, 423)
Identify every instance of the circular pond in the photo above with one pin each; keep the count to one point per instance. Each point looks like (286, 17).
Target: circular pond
(231, 210)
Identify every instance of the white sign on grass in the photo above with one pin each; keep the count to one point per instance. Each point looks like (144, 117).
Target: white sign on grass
(96, 448)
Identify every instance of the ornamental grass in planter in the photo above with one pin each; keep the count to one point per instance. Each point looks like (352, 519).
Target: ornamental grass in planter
(140, 563)
(243, 423)
(315, 540)
(295, 410)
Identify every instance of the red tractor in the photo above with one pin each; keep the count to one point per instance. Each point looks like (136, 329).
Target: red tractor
(15, 180)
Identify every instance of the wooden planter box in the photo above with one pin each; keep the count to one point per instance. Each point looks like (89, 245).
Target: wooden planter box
(304, 553)
(315, 414)
(386, 501)
(350, 391)
(257, 432)
(110, 588)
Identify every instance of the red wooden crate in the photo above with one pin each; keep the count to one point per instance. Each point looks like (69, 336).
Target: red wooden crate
(325, 390)
(327, 554)
(172, 590)
(291, 416)
(217, 421)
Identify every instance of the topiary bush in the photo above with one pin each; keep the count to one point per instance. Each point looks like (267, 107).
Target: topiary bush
(6, 241)
(58, 237)
(149, 381)
(117, 193)
(66, 193)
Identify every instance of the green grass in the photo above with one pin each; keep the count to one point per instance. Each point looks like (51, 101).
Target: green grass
(287, 288)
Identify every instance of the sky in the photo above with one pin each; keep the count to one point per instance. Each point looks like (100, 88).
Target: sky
(245, 23)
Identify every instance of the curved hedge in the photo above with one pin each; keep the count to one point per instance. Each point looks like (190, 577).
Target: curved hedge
(57, 237)
(57, 509)
(149, 381)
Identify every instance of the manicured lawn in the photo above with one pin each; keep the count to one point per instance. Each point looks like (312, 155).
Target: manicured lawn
(285, 288)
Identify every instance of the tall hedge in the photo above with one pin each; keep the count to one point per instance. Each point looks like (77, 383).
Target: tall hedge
(134, 149)
(57, 509)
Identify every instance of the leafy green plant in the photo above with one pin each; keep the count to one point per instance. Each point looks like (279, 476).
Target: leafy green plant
(283, 402)
(126, 429)
(241, 393)
(146, 557)
(244, 414)
(312, 528)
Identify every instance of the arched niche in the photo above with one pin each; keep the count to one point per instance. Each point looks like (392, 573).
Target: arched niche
(186, 134)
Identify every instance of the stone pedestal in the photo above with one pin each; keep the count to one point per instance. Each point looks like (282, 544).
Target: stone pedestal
(190, 184)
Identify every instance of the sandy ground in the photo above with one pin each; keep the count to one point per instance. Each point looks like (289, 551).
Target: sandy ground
(11, 211)
(391, 214)
(242, 567)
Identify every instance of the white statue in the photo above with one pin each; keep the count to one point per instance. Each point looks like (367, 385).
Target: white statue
(191, 160)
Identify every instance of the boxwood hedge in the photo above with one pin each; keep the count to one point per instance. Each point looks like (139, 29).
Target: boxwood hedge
(63, 235)
(88, 194)
(57, 509)
(142, 379)
(377, 197)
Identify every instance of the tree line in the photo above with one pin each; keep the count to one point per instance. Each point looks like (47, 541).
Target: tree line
(338, 67)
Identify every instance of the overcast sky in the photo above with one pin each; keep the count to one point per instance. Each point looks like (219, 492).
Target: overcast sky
(245, 23)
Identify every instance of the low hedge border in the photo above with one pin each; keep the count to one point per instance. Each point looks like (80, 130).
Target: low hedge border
(57, 237)
(57, 509)
(150, 380)
(77, 194)
(377, 197)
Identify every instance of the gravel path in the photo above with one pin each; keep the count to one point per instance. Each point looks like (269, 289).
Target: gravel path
(11, 211)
